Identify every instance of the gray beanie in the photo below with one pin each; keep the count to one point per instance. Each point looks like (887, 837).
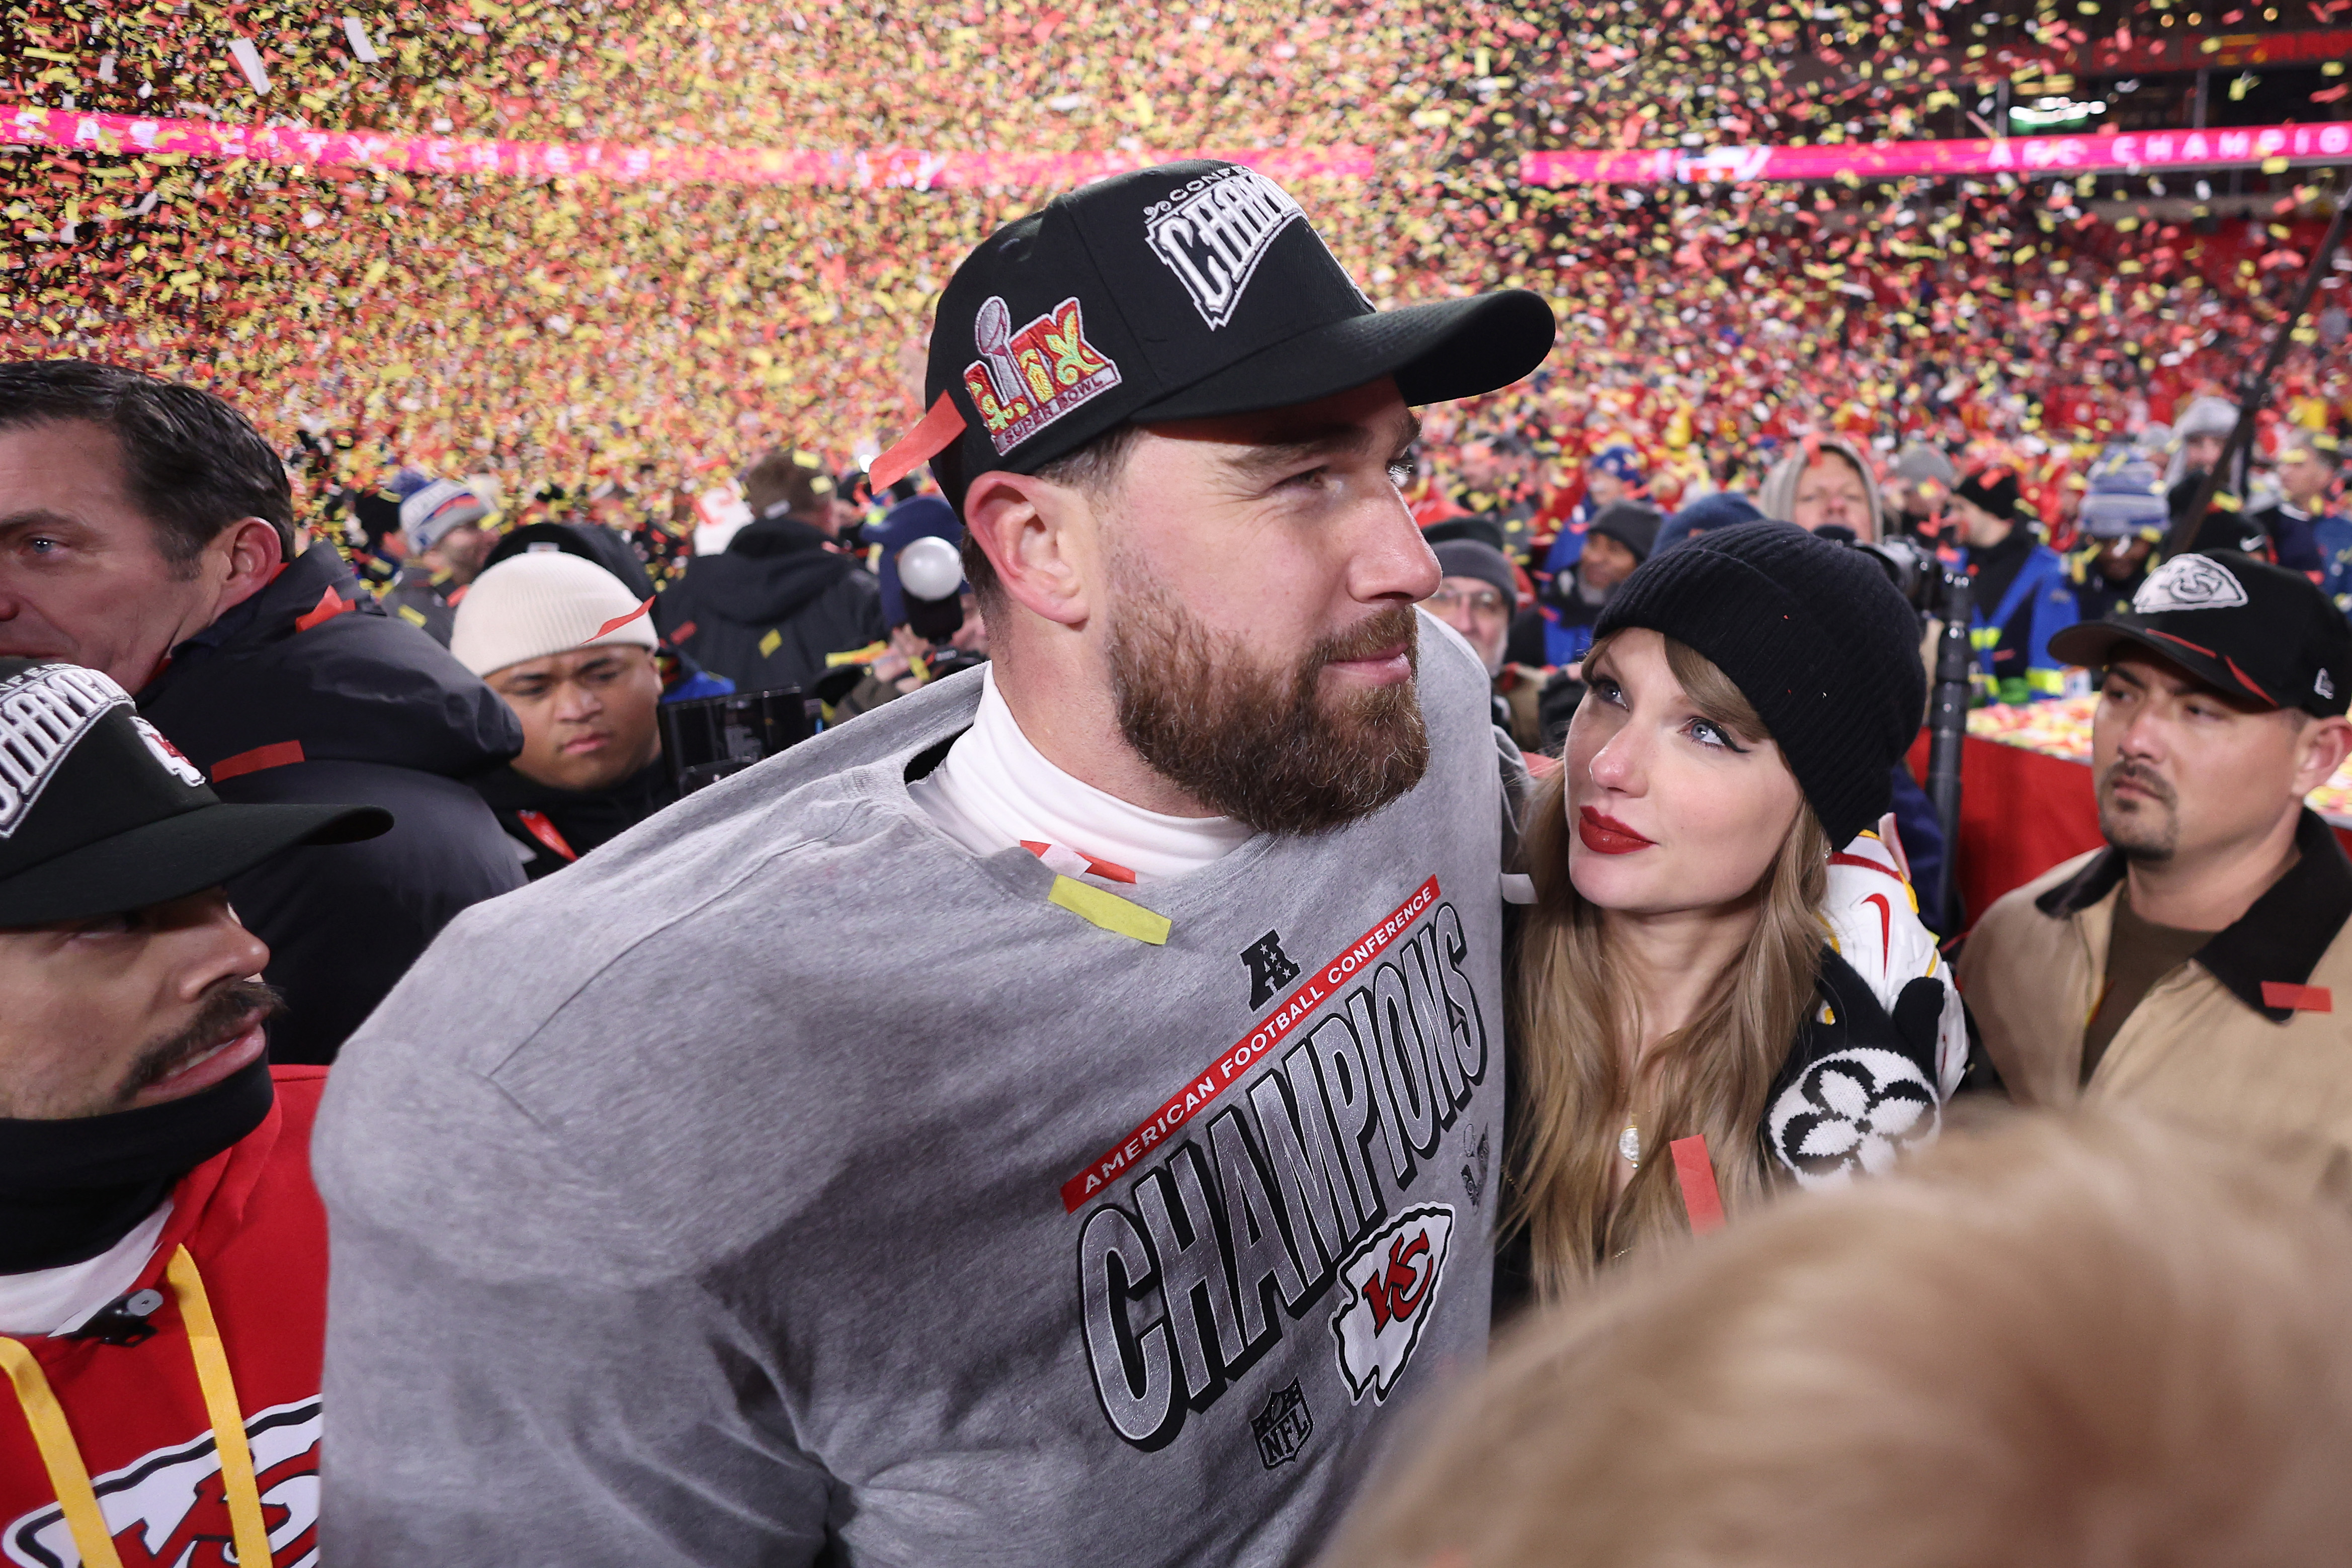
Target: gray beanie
(1920, 461)
(1470, 558)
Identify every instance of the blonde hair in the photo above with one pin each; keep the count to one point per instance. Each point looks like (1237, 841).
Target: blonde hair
(1575, 1017)
(2044, 1344)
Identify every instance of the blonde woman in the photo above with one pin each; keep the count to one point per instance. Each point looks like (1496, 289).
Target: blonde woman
(1698, 962)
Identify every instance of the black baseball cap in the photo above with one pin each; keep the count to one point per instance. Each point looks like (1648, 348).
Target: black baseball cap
(2244, 627)
(1184, 292)
(99, 813)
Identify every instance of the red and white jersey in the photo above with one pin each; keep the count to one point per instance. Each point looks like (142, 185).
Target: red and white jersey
(251, 1222)
(1874, 920)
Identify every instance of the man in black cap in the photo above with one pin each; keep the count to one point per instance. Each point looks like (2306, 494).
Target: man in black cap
(2020, 592)
(2190, 967)
(162, 1254)
(1078, 1100)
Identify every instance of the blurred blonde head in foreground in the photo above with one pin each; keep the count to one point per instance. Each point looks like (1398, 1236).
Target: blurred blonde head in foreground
(2082, 1342)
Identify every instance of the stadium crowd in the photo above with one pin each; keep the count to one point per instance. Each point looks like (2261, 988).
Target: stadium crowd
(615, 799)
(278, 774)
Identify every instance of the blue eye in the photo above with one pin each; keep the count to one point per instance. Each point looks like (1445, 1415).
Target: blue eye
(1708, 733)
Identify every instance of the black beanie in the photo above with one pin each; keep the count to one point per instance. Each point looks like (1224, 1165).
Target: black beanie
(1994, 489)
(1630, 523)
(1814, 635)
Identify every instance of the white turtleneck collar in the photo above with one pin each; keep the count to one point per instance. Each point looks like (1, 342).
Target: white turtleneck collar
(994, 791)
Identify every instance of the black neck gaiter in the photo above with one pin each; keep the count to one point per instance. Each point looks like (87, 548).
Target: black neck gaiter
(72, 1188)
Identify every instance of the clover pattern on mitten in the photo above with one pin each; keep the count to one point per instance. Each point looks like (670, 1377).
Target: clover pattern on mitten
(1852, 1111)
(1862, 1091)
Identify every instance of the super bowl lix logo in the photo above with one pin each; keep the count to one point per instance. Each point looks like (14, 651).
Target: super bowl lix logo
(1024, 381)
(1392, 1282)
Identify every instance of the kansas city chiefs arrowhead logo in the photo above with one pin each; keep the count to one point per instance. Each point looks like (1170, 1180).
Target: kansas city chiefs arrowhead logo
(170, 1505)
(1393, 1282)
(2189, 583)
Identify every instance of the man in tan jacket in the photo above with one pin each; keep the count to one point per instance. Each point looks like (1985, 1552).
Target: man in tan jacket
(2192, 967)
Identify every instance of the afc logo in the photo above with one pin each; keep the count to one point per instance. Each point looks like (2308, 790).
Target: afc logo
(1270, 969)
(1283, 1427)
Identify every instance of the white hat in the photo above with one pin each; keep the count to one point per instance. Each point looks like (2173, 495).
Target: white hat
(545, 601)
(2208, 415)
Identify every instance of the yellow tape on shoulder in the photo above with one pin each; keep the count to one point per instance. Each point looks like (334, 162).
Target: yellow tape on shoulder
(1109, 911)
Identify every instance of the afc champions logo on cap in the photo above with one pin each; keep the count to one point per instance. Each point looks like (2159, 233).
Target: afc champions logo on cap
(44, 712)
(2189, 583)
(1214, 231)
(1024, 381)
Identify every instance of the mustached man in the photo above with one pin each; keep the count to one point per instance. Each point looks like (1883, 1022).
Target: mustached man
(1068, 1123)
(162, 1253)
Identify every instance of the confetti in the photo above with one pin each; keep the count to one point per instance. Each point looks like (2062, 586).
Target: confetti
(362, 47)
(249, 60)
(616, 251)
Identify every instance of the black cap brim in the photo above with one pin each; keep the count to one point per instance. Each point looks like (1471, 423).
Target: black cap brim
(173, 857)
(2093, 643)
(1439, 351)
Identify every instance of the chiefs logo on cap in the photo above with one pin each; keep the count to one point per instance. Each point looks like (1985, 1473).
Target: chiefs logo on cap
(2189, 583)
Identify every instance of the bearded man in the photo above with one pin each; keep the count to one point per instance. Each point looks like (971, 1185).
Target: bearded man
(1054, 1117)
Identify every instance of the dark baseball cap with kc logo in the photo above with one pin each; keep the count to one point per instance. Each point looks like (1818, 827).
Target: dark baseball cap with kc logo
(99, 814)
(1184, 291)
(2248, 629)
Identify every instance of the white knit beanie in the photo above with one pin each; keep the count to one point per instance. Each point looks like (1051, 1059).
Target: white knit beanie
(545, 601)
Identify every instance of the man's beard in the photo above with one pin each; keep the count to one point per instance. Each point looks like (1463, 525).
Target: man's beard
(1266, 747)
(217, 1015)
(2150, 831)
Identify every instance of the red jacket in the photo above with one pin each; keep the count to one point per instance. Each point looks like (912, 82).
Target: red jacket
(253, 1226)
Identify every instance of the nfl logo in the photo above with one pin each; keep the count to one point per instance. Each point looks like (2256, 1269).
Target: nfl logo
(1283, 1427)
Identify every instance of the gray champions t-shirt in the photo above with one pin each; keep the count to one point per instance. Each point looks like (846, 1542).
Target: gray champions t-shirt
(783, 1180)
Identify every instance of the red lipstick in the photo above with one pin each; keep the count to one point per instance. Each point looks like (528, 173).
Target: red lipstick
(1605, 835)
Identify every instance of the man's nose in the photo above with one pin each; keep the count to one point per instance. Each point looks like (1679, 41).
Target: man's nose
(2142, 736)
(1395, 561)
(577, 702)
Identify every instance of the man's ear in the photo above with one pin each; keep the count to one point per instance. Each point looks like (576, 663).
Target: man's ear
(1040, 537)
(2320, 750)
(252, 552)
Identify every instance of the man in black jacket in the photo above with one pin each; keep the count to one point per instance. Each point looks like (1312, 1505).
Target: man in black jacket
(767, 611)
(146, 531)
